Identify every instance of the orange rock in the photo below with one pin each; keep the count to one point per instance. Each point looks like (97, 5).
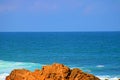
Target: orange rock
(51, 72)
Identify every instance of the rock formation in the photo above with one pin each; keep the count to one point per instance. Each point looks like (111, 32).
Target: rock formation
(51, 72)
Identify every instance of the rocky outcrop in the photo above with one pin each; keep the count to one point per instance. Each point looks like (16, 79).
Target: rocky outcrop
(51, 72)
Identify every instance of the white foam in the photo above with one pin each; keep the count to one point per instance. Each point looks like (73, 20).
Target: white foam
(100, 66)
(108, 78)
(3, 76)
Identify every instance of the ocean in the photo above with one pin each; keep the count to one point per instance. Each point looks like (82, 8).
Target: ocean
(97, 53)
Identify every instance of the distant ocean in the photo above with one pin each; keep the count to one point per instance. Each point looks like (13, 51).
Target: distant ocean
(97, 53)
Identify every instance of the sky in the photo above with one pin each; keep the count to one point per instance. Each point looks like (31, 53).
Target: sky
(59, 15)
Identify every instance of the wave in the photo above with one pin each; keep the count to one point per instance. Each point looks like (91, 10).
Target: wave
(8, 66)
(3, 76)
(100, 66)
(107, 77)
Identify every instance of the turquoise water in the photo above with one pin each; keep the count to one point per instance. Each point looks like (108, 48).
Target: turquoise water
(94, 52)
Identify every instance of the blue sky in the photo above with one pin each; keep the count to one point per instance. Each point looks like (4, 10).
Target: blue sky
(59, 15)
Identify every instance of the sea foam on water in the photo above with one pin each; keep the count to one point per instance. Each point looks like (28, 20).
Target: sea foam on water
(108, 78)
(3, 76)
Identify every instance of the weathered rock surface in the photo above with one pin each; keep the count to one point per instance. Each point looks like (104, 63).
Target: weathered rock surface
(51, 72)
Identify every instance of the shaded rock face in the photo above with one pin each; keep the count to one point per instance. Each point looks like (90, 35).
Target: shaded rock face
(51, 72)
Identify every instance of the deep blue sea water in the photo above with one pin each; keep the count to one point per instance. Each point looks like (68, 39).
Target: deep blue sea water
(95, 52)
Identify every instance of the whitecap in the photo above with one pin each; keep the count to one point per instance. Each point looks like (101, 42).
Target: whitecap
(108, 77)
(100, 66)
(3, 76)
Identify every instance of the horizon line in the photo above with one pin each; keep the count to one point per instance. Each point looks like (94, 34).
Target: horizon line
(59, 31)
